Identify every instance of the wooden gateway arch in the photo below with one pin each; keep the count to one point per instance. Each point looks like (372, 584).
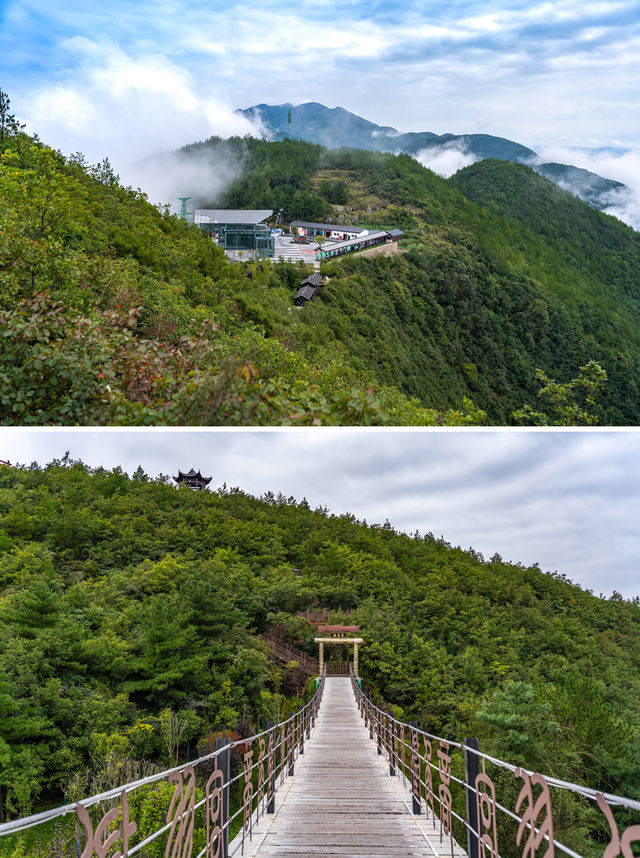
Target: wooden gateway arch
(338, 635)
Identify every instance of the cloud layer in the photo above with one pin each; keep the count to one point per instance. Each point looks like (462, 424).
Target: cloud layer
(567, 500)
(562, 73)
(446, 160)
(124, 108)
(621, 165)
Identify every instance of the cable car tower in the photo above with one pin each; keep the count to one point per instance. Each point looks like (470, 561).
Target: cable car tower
(184, 214)
(289, 120)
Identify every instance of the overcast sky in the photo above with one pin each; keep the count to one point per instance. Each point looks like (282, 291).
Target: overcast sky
(567, 500)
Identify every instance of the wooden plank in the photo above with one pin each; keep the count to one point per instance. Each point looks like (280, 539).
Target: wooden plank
(342, 800)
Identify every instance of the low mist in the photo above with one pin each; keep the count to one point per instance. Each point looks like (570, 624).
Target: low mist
(447, 159)
(126, 109)
(621, 165)
(203, 175)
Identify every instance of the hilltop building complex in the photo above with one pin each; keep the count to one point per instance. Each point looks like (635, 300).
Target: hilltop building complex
(244, 233)
(240, 232)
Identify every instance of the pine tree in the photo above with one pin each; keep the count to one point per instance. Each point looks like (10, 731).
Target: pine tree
(8, 122)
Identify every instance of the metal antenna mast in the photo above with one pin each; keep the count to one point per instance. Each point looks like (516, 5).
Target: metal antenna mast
(184, 214)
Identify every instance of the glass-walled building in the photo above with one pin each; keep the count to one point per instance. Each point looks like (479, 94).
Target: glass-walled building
(241, 233)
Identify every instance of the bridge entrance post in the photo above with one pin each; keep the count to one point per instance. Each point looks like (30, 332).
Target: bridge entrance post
(471, 770)
(355, 658)
(224, 762)
(271, 768)
(321, 654)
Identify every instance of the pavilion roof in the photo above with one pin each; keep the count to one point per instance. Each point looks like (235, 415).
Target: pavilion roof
(192, 475)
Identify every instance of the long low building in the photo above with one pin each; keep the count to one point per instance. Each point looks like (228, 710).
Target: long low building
(328, 230)
(371, 239)
(240, 232)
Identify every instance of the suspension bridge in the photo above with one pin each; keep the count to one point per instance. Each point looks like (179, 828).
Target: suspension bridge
(339, 777)
(343, 801)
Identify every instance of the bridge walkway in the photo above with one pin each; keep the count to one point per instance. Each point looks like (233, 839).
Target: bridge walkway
(342, 800)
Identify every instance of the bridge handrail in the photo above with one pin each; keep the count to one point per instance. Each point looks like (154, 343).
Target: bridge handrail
(292, 737)
(390, 732)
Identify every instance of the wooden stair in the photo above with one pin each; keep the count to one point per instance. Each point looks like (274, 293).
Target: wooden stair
(286, 653)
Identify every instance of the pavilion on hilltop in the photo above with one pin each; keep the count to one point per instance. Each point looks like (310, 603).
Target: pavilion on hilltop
(192, 479)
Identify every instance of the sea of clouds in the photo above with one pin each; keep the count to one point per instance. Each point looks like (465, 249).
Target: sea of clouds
(620, 164)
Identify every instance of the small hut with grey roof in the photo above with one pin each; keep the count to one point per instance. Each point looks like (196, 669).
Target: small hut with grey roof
(308, 289)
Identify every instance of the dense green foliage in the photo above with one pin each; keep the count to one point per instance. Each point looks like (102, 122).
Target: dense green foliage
(275, 176)
(114, 312)
(123, 598)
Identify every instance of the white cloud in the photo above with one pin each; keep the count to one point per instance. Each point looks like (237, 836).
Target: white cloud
(446, 160)
(622, 166)
(170, 175)
(125, 107)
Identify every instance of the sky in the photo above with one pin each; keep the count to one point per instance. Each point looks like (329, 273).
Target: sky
(567, 500)
(130, 77)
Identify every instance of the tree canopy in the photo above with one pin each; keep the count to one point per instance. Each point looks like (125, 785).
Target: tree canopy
(112, 311)
(123, 598)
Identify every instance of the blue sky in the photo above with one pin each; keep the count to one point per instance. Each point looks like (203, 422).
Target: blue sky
(543, 73)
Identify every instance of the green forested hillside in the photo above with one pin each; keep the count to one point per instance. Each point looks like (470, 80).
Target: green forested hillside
(111, 311)
(516, 275)
(125, 599)
(114, 312)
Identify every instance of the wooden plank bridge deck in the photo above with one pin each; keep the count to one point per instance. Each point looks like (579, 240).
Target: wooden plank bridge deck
(342, 801)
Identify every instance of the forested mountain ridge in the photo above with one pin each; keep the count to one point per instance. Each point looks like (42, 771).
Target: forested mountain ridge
(122, 598)
(114, 312)
(337, 127)
(514, 276)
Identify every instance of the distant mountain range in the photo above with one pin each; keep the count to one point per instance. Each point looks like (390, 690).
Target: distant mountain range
(336, 127)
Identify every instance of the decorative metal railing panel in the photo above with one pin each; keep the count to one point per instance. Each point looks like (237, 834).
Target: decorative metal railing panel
(424, 761)
(206, 808)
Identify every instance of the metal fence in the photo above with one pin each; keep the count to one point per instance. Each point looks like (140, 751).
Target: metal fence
(425, 762)
(337, 668)
(207, 803)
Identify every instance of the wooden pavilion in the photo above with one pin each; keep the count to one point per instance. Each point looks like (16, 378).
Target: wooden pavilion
(193, 480)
